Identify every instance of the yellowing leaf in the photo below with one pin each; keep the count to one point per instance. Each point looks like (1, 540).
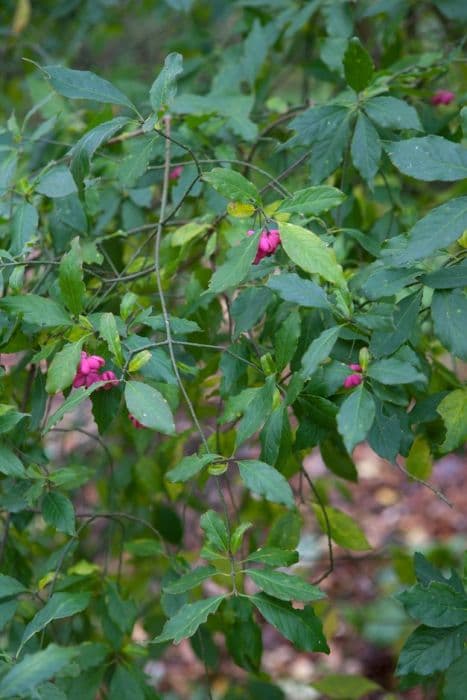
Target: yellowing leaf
(239, 210)
(187, 233)
(419, 461)
(453, 411)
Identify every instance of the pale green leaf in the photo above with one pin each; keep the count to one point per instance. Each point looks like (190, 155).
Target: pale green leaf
(344, 530)
(284, 586)
(164, 88)
(62, 369)
(149, 407)
(309, 252)
(186, 621)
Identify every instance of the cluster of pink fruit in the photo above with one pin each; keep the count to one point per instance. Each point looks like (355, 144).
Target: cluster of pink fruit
(88, 372)
(269, 241)
(442, 97)
(354, 379)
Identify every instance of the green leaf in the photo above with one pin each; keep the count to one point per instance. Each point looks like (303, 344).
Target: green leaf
(215, 530)
(391, 113)
(258, 409)
(57, 182)
(58, 511)
(266, 481)
(317, 124)
(10, 587)
(405, 318)
(284, 586)
(343, 528)
(385, 434)
(108, 331)
(429, 650)
(328, 153)
(185, 234)
(10, 418)
(23, 679)
(149, 407)
(7, 172)
(449, 313)
(429, 158)
(438, 229)
(291, 287)
(60, 605)
(70, 403)
(313, 201)
(319, 350)
(249, 307)
(126, 685)
(366, 148)
(189, 467)
(94, 138)
(235, 109)
(237, 536)
(234, 271)
(143, 547)
(164, 88)
(286, 340)
(342, 687)
(255, 49)
(62, 369)
(23, 227)
(84, 85)
(358, 65)
(337, 459)
(419, 462)
(456, 679)
(453, 411)
(355, 417)
(137, 162)
(393, 371)
(70, 277)
(186, 621)
(426, 573)
(285, 531)
(190, 580)
(10, 464)
(232, 185)
(448, 277)
(438, 605)
(301, 627)
(274, 556)
(37, 310)
(381, 281)
(309, 252)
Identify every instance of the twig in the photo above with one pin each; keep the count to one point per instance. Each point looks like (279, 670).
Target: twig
(433, 489)
(330, 569)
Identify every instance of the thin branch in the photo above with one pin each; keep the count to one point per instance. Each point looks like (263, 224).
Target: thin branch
(319, 500)
(433, 489)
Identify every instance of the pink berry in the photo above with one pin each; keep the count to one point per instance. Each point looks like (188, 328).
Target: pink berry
(95, 362)
(442, 97)
(84, 366)
(110, 378)
(352, 380)
(92, 378)
(355, 367)
(79, 380)
(176, 172)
